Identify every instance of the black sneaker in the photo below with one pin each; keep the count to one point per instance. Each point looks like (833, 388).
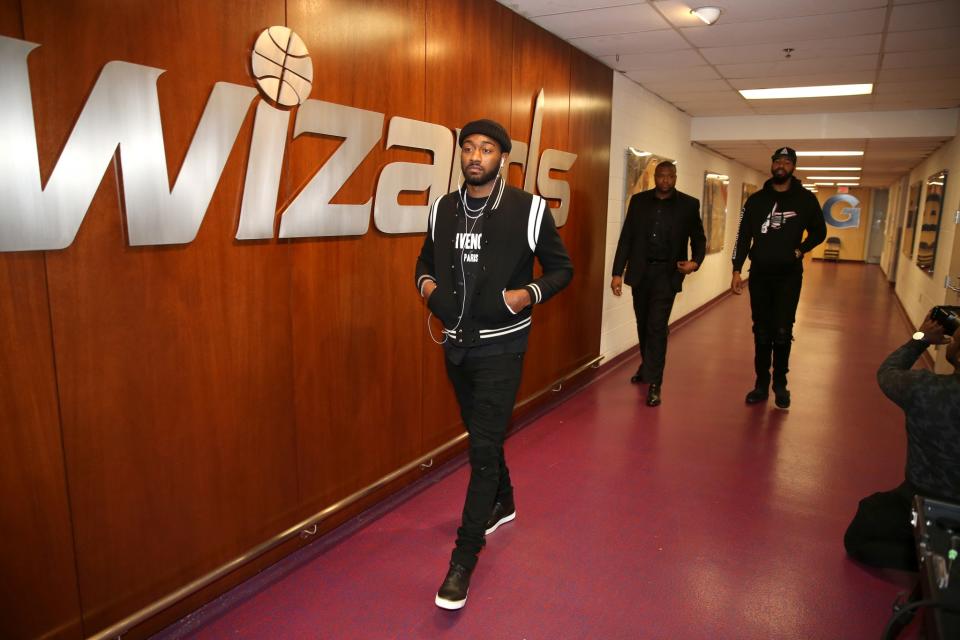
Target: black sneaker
(781, 397)
(452, 594)
(758, 394)
(502, 514)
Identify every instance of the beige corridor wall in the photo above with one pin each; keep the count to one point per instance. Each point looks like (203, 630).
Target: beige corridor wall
(918, 291)
(167, 408)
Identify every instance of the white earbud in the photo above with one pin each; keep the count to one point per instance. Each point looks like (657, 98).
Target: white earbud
(501, 163)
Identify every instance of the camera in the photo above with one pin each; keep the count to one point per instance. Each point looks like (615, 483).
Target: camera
(947, 317)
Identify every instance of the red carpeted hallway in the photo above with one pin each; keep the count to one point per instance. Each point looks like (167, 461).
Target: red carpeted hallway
(702, 518)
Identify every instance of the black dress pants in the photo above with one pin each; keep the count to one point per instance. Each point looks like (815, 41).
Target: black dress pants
(652, 303)
(486, 388)
(880, 534)
(773, 305)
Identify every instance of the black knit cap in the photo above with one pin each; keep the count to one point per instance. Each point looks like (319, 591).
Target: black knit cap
(786, 152)
(489, 128)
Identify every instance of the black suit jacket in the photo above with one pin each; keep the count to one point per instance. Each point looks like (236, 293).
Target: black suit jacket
(686, 231)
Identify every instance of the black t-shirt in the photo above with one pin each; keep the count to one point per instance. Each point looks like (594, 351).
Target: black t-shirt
(468, 243)
(658, 240)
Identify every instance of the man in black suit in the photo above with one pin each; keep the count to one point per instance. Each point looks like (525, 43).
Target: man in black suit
(662, 223)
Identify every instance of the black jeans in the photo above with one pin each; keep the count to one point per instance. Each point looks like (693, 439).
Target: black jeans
(881, 535)
(486, 389)
(773, 305)
(652, 302)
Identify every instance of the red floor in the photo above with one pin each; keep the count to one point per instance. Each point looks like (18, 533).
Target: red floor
(703, 518)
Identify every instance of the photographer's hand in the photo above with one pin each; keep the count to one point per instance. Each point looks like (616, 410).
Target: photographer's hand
(933, 332)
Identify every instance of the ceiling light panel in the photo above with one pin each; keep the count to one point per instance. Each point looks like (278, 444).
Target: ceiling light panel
(827, 154)
(825, 91)
(829, 168)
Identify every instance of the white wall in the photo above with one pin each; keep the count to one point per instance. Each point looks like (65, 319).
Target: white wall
(644, 121)
(917, 290)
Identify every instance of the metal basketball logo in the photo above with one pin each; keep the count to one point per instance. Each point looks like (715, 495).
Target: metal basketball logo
(282, 66)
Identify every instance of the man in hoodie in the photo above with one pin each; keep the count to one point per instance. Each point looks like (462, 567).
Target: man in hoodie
(772, 226)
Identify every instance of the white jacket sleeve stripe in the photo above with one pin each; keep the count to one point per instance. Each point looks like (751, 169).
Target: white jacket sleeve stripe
(533, 230)
(432, 223)
(536, 226)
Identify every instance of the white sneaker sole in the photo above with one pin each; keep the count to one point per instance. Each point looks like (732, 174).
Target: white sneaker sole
(503, 520)
(450, 605)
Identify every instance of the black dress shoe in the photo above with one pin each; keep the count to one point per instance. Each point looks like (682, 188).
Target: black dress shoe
(452, 594)
(653, 395)
(781, 397)
(635, 378)
(759, 393)
(503, 512)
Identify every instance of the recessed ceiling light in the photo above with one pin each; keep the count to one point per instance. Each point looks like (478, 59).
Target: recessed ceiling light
(833, 177)
(823, 91)
(824, 184)
(848, 184)
(829, 168)
(709, 15)
(830, 153)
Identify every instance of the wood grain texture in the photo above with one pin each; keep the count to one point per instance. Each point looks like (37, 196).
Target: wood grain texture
(356, 354)
(39, 588)
(174, 361)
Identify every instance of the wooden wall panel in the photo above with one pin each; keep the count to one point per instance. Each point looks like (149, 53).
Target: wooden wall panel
(356, 351)
(542, 61)
(38, 592)
(173, 362)
(39, 588)
(468, 77)
(591, 109)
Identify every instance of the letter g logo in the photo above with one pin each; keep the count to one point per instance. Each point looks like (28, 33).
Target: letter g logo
(851, 219)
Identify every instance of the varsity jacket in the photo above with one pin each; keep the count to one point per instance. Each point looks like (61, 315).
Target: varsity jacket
(771, 228)
(517, 227)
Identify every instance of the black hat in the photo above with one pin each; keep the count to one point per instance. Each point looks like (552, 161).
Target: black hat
(489, 128)
(785, 151)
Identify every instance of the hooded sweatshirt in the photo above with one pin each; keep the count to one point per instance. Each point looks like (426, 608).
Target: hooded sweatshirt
(772, 224)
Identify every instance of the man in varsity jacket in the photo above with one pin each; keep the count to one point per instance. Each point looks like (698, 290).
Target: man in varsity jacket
(475, 272)
(772, 225)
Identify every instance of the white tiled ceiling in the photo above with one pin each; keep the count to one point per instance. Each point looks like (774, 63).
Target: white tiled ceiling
(909, 49)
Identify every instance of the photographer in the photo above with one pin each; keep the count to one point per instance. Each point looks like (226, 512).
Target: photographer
(881, 534)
